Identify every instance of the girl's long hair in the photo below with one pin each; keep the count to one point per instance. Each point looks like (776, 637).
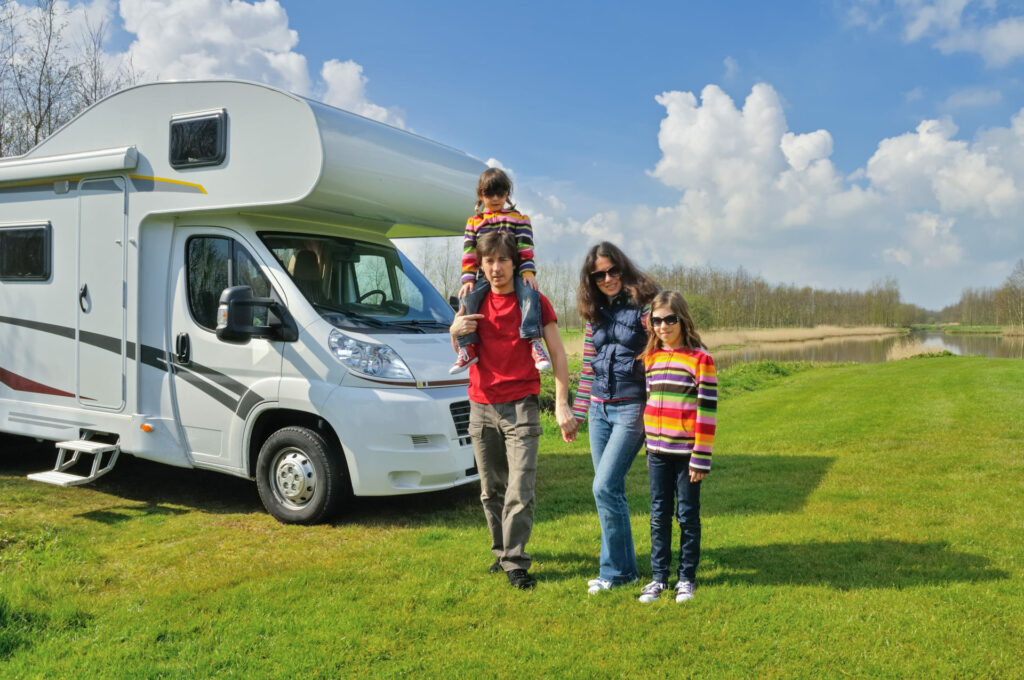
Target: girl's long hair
(589, 297)
(677, 303)
(493, 182)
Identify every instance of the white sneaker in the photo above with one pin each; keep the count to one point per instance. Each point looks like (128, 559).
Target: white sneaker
(597, 585)
(685, 590)
(652, 591)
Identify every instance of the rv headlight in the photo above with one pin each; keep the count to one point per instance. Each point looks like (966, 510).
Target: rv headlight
(368, 358)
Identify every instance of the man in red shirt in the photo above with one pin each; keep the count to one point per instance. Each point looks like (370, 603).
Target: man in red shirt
(504, 418)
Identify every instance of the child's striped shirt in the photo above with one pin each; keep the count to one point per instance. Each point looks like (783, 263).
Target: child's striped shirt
(511, 221)
(682, 397)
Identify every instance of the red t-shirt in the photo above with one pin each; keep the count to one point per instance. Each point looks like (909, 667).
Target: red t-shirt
(505, 371)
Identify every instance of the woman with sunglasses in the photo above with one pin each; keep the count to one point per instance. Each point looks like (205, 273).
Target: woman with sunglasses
(679, 421)
(613, 299)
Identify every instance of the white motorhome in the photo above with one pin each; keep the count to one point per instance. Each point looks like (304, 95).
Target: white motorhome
(201, 274)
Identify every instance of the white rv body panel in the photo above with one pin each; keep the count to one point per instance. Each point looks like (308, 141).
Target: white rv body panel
(118, 339)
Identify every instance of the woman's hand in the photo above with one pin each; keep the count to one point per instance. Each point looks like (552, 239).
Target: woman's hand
(566, 422)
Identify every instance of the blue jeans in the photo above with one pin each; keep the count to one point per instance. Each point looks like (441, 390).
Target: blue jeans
(529, 306)
(616, 434)
(670, 476)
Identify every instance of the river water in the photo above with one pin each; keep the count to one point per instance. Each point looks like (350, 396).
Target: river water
(872, 349)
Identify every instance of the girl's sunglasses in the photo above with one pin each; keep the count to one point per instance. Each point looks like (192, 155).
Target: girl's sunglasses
(670, 320)
(613, 272)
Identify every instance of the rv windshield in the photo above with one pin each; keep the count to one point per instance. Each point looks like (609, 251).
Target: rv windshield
(359, 285)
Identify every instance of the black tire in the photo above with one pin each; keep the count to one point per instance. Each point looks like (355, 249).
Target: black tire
(300, 476)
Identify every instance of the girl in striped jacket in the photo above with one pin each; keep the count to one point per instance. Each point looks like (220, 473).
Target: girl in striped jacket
(679, 423)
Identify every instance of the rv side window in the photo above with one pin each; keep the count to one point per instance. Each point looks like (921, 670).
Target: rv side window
(216, 263)
(25, 253)
(199, 139)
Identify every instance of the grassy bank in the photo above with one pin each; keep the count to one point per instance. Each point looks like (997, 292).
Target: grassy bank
(728, 339)
(861, 521)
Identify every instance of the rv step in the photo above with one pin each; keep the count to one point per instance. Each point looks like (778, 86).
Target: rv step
(59, 477)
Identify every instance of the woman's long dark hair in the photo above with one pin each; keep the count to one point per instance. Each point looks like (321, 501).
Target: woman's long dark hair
(589, 297)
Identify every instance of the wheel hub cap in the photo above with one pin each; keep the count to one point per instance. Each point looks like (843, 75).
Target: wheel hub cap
(294, 477)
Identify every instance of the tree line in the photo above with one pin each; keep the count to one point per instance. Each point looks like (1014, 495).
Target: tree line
(48, 73)
(1002, 306)
(717, 298)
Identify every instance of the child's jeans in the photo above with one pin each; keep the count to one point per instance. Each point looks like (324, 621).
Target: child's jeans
(670, 476)
(529, 306)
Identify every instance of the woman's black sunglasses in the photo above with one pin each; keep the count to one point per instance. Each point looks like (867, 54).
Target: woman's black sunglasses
(613, 272)
(670, 320)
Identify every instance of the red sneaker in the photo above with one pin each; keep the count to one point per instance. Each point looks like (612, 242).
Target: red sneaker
(541, 360)
(467, 357)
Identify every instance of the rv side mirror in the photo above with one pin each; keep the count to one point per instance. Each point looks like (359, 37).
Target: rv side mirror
(242, 316)
(454, 302)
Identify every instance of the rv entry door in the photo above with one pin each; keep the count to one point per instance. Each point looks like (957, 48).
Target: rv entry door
(101, 293)
(217, 384)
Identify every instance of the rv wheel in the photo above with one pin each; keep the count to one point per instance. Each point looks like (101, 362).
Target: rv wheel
(299, 476)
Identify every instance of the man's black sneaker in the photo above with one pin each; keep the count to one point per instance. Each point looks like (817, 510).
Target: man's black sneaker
(496, 567)
(520, 578)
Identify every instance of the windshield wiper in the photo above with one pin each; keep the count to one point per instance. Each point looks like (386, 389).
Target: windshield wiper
(420, 323)
(369, 320)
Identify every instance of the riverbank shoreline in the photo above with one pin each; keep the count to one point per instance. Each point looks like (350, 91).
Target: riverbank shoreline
(738, 338)
(730, 339)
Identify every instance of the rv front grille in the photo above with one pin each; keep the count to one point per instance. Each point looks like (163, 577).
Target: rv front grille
(460, 415)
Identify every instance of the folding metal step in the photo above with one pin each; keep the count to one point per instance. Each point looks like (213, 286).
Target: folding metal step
(58, 475)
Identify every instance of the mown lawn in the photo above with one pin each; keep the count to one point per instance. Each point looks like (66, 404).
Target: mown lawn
(861, 521)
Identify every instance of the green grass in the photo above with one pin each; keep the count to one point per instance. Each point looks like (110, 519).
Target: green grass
(861, 521)
(971, 330)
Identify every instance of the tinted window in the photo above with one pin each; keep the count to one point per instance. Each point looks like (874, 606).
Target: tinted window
(198, 140)
(25, 253)
(216, 263)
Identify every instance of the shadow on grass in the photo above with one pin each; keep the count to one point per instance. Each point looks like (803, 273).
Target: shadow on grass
(123, 513)
(847, 566)
(164, 489)
(739, 485)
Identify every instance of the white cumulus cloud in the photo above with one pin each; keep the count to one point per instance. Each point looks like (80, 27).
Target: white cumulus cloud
(978, 26)
(189, 39)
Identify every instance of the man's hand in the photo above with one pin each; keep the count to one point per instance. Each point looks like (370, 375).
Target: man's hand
(464, 324)
(531, 281)
(467, 287)
(566, 422)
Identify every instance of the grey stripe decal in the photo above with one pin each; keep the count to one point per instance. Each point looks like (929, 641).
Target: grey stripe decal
(247, 403)
(205, 387)
(37, 423)
(59, 421)
(143, 184)
(101, 185)
(53, 329)
(196, 375)
(102, 341)
(220, 379)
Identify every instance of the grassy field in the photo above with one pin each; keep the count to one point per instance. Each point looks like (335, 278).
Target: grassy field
(861, 521)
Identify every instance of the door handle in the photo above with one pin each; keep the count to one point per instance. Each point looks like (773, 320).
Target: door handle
(83, 293)
(183, 349)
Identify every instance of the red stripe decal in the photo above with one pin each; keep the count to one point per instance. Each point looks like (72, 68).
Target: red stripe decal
(16, 382)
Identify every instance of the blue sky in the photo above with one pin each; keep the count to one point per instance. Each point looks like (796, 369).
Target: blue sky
(831, 143)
